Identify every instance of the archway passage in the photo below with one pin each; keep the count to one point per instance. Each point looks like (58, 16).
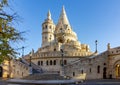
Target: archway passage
(1, 71)
(104, 72)
(117, 70)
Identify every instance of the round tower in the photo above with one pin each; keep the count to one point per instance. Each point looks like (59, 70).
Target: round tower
(48, 28)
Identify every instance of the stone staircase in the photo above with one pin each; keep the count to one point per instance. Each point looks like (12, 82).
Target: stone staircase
(36, 69)
(44, 76)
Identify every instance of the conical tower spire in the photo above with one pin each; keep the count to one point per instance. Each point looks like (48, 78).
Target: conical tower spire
(49, 15)
(63, 18)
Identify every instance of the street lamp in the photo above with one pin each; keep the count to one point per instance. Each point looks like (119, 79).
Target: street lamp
(96, 46)
(62, 57)
(62, 63)
(30, 70)
(30, 59)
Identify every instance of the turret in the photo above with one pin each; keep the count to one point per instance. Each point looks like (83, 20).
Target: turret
(63, 29)
(48, 28)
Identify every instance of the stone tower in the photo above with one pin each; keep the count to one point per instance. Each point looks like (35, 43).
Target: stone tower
(48, 28)
(63, 31)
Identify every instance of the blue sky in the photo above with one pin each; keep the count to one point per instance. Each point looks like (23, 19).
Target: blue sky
(90, 19)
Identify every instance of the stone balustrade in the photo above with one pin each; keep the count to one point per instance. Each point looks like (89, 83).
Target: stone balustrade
(58, 54)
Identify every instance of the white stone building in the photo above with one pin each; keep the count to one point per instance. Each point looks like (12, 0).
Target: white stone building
(61, 52)
(59, 43)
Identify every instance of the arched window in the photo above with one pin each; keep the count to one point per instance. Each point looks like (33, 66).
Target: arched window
(81, 71)
(50, 62)
(54, 49)
(65, 62)
(46, 26)
(46, 62)
(38, 62)
(98, 69)
(73, 73)
(90, 70)
(41, 63)
(54, 62)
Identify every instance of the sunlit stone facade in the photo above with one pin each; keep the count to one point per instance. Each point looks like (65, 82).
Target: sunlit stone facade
(58, 38)
(62, 52)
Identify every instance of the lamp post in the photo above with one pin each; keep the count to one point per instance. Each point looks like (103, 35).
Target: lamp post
(30, 70)
(62, 63)
(96, 46)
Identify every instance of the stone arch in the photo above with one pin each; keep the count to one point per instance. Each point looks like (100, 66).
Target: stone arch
(116, 69)
(116, 62)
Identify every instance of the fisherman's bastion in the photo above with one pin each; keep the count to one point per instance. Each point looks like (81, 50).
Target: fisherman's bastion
(61, 53)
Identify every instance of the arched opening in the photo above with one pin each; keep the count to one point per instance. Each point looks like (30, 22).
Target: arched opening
(98, 69)
(90, 70)
(38, 62)
(81, 71)
(73, 73)
(50, 62)
(1, 71)
(104, 72)
(54, 62)
(46, 62)
(41, 63)
(117, 70)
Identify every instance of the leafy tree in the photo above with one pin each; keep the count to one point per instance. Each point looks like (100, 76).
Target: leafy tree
(8, 33)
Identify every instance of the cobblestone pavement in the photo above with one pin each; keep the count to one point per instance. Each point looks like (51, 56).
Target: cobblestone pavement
(101, 82)
(87, 82)
(2, 82)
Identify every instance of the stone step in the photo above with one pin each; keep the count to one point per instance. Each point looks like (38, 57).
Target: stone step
(44, 76)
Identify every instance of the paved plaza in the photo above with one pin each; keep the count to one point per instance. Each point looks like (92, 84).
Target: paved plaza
(87, 82)
(102, 82)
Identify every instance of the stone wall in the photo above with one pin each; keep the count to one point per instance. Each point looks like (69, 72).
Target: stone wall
(87, 68)
(19, 69)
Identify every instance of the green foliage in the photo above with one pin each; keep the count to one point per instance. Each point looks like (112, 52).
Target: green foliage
(8, 33)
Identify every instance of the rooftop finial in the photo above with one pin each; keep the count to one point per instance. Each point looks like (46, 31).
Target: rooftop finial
(108, 46)
(63, 10)
(49, 15)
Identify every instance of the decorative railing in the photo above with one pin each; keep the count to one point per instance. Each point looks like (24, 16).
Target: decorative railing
(58, 54)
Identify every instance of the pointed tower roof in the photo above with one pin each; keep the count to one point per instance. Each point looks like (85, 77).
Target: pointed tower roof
(49, 15)
(63, 18)
(48, 19)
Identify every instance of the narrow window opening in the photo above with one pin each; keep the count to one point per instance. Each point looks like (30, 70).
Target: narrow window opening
(46, 62)
(98, 69)
(54, 62)
(90, 70)
(38, 62)
(41, 63)
(73, 73)
(50, 62)
(81, 71)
